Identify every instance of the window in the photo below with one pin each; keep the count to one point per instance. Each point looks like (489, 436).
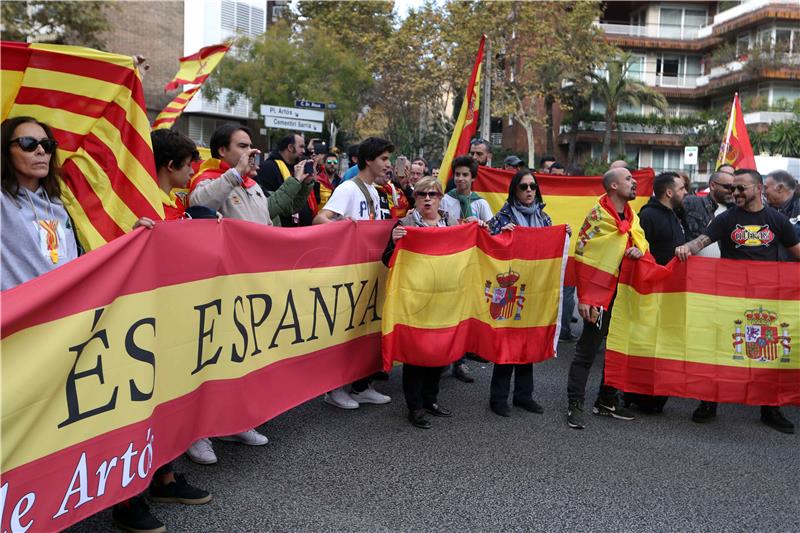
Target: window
(677, 71)
(742, 44)
(636, 68)
(667, 159)
(670, 23)
(241, 18)
(681, 23)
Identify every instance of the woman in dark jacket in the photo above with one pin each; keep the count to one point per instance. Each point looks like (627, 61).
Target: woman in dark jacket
(523, 208)
(421, 383)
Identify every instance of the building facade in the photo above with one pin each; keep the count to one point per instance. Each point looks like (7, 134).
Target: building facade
(697, 55)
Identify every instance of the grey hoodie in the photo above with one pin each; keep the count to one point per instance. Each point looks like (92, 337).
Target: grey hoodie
(25, 254)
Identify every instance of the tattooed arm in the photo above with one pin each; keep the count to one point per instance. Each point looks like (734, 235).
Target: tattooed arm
(692, 247)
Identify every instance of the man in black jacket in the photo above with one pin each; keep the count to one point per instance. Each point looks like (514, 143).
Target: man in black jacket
(699, 211)
(278, 167)
(661, 226)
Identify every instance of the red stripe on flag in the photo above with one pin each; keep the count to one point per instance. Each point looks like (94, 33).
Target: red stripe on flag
(715, 383)
(523, 243)
(595, 286)
(105, 225)
(112, 276)
(718, 277)
(205, 52)
(442, 346)
(496, 180)
(217, 407)
(164, 121)
(14, 56)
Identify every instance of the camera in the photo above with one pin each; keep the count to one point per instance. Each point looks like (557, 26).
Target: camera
(308, 167)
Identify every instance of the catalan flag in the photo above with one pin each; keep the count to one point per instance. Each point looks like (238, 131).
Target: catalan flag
(458, 289)
(712, 329)
(196, 68)
(736, 149)
(94, 102)
(467, 121)
(170, 114)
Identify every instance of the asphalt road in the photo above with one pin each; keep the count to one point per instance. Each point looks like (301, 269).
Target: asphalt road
(370, 470)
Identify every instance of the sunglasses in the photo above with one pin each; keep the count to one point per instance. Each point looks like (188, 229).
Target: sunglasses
(740, 188)
(427, 194)
(29, 144)
(331, 162)
(526, 186)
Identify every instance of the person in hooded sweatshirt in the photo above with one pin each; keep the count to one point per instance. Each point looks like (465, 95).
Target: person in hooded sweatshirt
(664, 232)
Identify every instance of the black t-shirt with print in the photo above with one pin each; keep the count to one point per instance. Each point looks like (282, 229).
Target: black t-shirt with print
(754, 236)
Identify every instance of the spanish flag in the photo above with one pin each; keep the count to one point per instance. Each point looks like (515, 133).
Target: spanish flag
(458, 289)
(94, 102)
(170, 114)
(196, 68)
(467, 121)
(713, 329)
(736, 149)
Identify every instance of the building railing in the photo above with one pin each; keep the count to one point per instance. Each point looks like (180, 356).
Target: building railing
(626, 127)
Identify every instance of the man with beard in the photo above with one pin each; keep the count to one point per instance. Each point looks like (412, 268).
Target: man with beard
(699, 211)
(611, 231)
(774, 231)
(277, 169)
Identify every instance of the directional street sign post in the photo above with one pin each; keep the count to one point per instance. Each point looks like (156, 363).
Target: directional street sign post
(308, 104)
(292, 124)
(690, 159)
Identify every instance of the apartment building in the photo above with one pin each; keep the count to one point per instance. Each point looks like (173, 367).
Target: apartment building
(164, 31)
(697, 54)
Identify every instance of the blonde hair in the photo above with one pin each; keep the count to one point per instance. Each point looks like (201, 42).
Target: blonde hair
(427, 183)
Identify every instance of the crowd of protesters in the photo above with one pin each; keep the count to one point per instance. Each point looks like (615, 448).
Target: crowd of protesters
(301, 183)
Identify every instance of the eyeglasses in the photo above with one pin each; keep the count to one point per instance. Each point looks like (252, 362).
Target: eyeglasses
(427, 194)
(29, 144)
(526, 186)
(331, 162)
(741, 188)
(727, 186)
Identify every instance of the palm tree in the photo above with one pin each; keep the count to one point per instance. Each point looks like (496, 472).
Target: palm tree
(614, 88)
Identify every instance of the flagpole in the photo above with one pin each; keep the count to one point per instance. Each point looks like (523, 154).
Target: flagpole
(486, 116)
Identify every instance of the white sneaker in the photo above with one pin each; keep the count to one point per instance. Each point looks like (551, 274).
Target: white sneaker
(370, 395)
(251, 437)
(340, 398)
(202, 453)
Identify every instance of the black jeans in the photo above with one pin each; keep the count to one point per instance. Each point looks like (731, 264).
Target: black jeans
(501, 383)
(421, 385)
(586, 350)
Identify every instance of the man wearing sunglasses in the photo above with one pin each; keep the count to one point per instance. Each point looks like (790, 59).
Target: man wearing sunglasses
(750, 230)
(699, 211)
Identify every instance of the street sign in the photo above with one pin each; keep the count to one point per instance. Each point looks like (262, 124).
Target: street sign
(690, 155)
(306, 103)
(292, 124)
(292, 113)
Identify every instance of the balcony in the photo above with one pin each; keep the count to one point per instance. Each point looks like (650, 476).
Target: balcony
(629, 127)
(677, 82)
(651, 31)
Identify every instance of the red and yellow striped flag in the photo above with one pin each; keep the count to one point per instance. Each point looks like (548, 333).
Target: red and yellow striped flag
(467, 121)
(196, 68)
(736, 149)
(458, 289)
(95, 105)
(170, 114)
(713, 329)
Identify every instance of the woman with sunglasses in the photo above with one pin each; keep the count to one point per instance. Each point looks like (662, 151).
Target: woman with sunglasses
(523, 208)
(421, 383)
(37, 232)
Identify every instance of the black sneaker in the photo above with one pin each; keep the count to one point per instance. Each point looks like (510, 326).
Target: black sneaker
(179, 491)
(773, 417)
(705, 412)
(134, 516)
(529, 405)
(417, 419)
(575, 415)
(612, 407)
(461, 372)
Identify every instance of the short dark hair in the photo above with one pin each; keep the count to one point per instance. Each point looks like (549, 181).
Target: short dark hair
(286, 141)
(221, 138)
(8, 179)
(170, 145)
(753, 174)
(784, 178)
(664, 181)
(371, 148)
(466, 161)
(556, 166)
(423, 161)
(574, 170)
(514, 185)
(545, 159)
(352, 151)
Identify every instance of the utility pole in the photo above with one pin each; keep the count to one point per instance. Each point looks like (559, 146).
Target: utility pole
(486, 98)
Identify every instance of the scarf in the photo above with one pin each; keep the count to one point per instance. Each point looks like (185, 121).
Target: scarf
(602, 240)
(214, 168)
(528, 217)
(465, 201)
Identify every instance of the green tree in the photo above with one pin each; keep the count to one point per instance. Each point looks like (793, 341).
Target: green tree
(613, 87)
(77, 23)
(283, 64)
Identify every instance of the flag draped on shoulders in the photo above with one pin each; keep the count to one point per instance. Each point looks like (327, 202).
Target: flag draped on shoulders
(212, 169)
(195, 69)
(458, 289)
(602, 240)
(94, 103)
(717, 330)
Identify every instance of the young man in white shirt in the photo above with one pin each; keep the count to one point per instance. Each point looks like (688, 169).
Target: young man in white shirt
(357, 199)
